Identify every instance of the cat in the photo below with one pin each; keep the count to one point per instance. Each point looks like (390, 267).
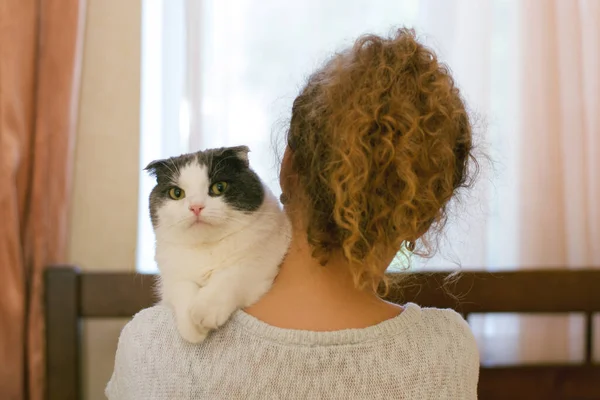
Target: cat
(220, 236)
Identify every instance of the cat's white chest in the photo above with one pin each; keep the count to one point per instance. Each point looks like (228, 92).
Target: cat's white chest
(194, 264)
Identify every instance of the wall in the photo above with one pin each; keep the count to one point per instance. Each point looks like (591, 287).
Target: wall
(104, 209)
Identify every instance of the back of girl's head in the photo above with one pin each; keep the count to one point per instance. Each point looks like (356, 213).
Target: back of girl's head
(380, 141)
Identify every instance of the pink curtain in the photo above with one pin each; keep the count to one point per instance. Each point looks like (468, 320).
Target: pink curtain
(530, 71)
(560, 156)
(40, 53)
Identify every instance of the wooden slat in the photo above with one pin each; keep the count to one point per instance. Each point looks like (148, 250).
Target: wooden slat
(62, 334)
(537, 291)
(115, 294)
(540, 383)
(123, 294)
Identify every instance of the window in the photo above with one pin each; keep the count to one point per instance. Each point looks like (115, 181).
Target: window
(225, 72)
(231, 77)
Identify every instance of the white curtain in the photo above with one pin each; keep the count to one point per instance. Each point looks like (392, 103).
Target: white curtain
(247, 61)
(529, 71)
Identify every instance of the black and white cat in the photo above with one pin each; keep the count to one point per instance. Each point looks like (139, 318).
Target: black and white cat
(220, 236)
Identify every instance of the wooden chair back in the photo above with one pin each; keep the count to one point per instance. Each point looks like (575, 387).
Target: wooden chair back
(72, 296)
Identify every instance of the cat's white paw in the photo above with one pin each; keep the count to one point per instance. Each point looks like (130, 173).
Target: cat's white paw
(189, 331)
(211, 311)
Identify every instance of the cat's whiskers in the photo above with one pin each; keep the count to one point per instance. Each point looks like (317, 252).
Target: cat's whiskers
(214, 218)
(167, 165)
(245, 222)
(176, 167)
(211, 160)
(260, 214)
(172, 225)
(216, 167)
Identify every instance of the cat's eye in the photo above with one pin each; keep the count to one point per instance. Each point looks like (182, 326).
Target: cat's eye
(218, 188)
(176, 193)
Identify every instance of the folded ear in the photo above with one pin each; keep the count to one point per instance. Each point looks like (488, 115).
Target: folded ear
(241, 152)
(154, 166)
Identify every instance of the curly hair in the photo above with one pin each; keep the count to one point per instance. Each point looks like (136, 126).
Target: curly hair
(380, 141)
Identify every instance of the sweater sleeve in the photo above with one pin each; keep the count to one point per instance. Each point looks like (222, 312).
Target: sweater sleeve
(122, 384)
(455, 338)
(149, 353)
(138, 348)
(470, 368)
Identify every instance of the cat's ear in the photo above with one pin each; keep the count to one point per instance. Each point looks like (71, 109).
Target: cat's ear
(154, 166)
(241, 152)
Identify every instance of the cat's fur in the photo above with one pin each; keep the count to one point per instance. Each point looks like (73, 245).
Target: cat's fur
(229, 259)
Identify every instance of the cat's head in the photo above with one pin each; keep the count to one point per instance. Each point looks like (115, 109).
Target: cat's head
(202, 197)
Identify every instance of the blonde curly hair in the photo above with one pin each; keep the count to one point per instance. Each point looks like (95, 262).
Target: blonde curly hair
(380, 141)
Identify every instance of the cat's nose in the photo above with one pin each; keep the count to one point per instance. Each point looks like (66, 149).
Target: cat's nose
(196, 209)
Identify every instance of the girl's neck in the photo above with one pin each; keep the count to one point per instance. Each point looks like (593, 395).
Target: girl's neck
(309, 296)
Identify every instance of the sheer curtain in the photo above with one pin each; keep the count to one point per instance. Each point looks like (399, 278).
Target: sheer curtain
(559, 157)
(243, 62)
(527, 69)
(246, 61)
(530, 70)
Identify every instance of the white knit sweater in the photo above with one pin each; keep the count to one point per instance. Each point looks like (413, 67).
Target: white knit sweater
(423, 353)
